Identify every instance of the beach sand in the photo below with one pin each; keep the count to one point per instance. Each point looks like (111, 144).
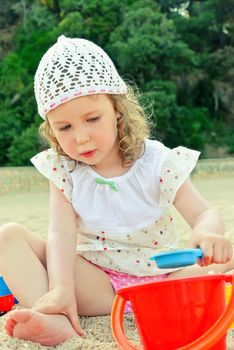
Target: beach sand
(31, 209)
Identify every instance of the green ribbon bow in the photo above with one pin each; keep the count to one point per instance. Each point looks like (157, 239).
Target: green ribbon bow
(112, 184)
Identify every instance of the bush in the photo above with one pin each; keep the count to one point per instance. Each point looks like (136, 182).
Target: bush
(176, 125)
(24, 147)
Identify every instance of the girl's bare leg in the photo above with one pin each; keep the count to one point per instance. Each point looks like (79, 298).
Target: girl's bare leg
(23, 266)
(23, 263)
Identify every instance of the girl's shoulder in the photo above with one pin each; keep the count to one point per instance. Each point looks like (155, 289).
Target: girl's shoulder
(154, 155)
(177, 166)
(176, 157)
(55, 168)
(154, 146)
(168, 167)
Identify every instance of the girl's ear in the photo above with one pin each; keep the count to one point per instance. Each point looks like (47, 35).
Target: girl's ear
(118, 115)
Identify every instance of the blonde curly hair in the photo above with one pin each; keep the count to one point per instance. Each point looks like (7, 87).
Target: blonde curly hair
(133, 127)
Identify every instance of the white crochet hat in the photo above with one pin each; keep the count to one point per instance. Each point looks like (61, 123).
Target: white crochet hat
(73, 68)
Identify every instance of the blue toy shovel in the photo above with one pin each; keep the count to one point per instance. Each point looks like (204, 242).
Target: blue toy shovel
(177, 258)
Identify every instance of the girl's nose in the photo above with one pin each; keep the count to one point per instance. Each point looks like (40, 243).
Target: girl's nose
(82, 138)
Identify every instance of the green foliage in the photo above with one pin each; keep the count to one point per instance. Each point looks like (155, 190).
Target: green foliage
(180, 53)
(72, 25)
(10, 125)
(147, 46)
(209, 25)
(175, 124)
(39, 17)
(192, 127)
(161, 99)
(230, 141)
(11, 72)
(24, 147)
(101, 18)
(68, 6)
(8, 14)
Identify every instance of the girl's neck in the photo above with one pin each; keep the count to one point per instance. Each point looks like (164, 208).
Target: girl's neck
(116, 169)
(112, 167)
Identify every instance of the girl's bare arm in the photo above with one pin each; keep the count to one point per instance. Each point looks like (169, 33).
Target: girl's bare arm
(206, 223)
(61, 256)
(61, 243)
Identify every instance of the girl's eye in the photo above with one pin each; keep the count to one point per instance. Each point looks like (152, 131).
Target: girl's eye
(93, 119)
(66, 127)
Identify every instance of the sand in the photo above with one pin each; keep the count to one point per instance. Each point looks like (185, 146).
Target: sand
(31, 209)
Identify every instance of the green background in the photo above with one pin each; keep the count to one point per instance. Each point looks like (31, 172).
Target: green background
(179, 53)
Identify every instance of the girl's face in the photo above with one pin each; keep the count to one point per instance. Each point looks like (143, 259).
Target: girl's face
(86, 130)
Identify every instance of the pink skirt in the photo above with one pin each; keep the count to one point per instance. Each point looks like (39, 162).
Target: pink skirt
(121, 280)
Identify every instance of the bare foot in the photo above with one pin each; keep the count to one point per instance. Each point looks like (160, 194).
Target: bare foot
(46, 329)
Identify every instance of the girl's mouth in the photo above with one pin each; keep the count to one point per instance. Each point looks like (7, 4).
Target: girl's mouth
(88, 154)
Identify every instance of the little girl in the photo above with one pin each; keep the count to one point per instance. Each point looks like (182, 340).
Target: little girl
(111, 194)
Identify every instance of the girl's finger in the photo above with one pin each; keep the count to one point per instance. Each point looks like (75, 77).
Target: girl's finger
(230, 252)
(207, 249)
(225, 255)
(75, 324)
(207, 260)
(200, 262)
(217, 254)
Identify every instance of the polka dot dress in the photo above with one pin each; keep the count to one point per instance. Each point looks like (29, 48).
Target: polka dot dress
(125, 219)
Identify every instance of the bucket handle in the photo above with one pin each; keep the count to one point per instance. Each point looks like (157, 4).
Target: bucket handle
(117, 324)
(204, 342)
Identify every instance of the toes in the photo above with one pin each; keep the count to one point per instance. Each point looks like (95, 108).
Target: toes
(9, 332)
(22, 316)
(9, 326)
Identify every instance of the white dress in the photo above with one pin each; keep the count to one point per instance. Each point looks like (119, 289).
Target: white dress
(126, 219)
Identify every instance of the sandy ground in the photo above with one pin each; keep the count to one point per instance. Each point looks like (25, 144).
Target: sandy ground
(31, 209)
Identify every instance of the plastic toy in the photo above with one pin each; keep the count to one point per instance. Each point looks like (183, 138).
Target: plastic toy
(177, 258)
(228, 296)
(182, 314)
(7, 300)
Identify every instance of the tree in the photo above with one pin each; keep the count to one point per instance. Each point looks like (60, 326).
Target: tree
(97, 18)
(24, 147)
(147, 46)
(180, 54)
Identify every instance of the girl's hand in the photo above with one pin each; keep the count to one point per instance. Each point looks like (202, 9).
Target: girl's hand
(216, 248)
(60, 300)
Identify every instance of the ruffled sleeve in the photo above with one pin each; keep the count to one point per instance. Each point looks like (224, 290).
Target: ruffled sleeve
(177, 166)
(56, 169)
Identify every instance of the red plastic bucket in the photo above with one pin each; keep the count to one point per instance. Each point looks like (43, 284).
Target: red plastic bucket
(188, 313)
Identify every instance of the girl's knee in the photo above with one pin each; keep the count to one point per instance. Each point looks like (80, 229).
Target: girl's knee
(10, 231)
